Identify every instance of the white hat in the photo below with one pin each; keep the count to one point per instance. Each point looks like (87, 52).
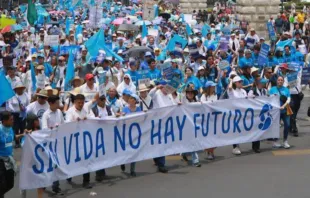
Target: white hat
(120, 51)
(109, 58)
(253, 69)
(201, 68)
(233, 73)
(186, 50)
(148, 54)
(237, 79)
(19, 84)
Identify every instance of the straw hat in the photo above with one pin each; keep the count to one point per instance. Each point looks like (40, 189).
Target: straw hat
(143, 87)
(49, 88)
(42, 93)
(77, 78)
(76, 91)
(40, 67)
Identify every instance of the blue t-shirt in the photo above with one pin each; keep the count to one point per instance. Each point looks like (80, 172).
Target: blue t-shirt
(126, 110)
(247, 81)
(6, 141)
(154, 74)
(284, 92)
(245, 62)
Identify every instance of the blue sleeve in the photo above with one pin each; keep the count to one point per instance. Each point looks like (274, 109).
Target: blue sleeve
(273, 91)
(2, 138)
(199, 85)
(138, 109)
(125, 110)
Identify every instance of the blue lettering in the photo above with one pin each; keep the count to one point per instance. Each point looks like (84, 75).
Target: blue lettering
(120, 139)
(158, 134)
(67, 154)
(205, 133)
(236, 120)
(215, 113)
(169, 125)
(181, 126)
(196, 115)
(77, 150)
(40, 160)
(132, 138)
(52, 156)
(101, 145)
(228, 122)
(87, 154)
(251, 118)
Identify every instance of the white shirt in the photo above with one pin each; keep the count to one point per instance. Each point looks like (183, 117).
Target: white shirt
(13, 103)
(37, 109)
(160, 99)
(52, 119)
(89, 93)
(296, 89)
(236, 93)
(237, 45)
(13, 81)
(73, 114)
(147, 101)
(211, 98)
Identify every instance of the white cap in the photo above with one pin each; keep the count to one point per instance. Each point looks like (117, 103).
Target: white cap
(109, 58)
(201, 68)
(237, 79)
(120, 51)
(148, 54)
(186, 50)
(253, 69)
(233, 73)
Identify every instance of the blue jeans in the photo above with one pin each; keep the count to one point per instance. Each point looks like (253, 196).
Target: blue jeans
(286, 120)
(195, 158)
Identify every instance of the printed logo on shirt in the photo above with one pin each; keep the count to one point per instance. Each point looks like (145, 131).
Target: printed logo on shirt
(265, 117)
(40, 113)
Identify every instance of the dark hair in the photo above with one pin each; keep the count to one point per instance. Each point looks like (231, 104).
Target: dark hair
(189, 69)
(150, 61)
(79, 97)
(5, 116)
(102, 97)
(31, 118)
(52, 99)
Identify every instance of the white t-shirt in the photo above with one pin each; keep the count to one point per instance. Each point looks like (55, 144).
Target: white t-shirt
(211, 98)
(89, 93)
(37, 109)
(236, 93)
(52, 119)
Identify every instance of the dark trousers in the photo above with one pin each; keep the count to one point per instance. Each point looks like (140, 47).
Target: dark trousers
(160, 161)
(295, 105)
(6, 179)
(19, 126)
(235, 145)
(256, 145)
(100, 173)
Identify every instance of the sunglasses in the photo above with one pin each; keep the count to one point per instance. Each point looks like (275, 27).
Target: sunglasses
(91, 79)
(126, 79)
(41, 97)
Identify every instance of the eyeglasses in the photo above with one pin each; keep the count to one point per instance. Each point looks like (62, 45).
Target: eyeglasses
(41, 97)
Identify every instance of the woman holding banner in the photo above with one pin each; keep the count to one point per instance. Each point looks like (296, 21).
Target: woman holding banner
(286, 112)
(191, 96)
(235, 91)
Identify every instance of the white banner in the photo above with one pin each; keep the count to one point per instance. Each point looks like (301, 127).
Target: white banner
(51, 40)
(86, 146)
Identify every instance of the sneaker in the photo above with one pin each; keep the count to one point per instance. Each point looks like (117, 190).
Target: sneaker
(236, 151)
(286, 145)
(210, 156)
(57, 191)
(162, 169)
(276, 144)
(184, 157)
(197, 164)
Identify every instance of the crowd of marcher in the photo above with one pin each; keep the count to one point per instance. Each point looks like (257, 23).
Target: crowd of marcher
(134, 69)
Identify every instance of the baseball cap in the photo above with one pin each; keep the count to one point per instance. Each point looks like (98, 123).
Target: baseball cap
(89, 76)
(148, 54)
(237, 79)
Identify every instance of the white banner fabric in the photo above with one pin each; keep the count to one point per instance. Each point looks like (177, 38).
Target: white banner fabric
(79, 147)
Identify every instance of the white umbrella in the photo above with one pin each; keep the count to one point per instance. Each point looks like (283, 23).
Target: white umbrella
(139, 23)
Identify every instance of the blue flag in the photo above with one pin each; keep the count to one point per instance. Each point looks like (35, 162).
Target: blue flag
(188, 30)
(205, 29)
(176, 39)
(33, 77)
(78, 30)
(282, 44)
(5, 89)
(69, 72)
(96, 43)
(144, 30)
(68, 23)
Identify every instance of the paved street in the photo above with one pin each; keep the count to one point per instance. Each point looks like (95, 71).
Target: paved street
(270, 174)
